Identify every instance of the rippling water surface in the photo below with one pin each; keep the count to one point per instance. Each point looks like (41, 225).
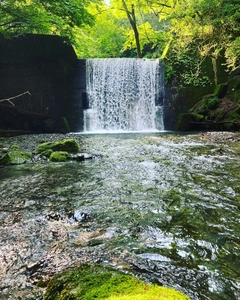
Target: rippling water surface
(164, 206)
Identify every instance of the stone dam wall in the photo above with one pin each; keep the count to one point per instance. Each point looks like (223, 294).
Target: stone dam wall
(47, 68)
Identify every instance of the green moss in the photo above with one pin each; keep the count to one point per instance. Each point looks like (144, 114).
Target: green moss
(217, 89)
(98, 282)
(14, 148)
(68, 145)
(46, 153)
(152, 293)
(197, 117)
(66, 123)
(220, 90)
(58, 156)
(15, 157)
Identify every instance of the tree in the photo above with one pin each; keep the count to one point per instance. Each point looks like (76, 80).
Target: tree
(103, 39)
(213, 25)
(143, 15)
(132, 19)
(43, 16)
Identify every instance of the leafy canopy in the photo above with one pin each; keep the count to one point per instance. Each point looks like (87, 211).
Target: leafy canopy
(147, 24)
(104, 38)
(213, 25)
(171, 29)
(43, 16)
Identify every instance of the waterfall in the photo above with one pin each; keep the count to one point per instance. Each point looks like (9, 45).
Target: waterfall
(124, 94)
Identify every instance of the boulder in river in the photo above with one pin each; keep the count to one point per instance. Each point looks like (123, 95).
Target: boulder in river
(101, 282)
(68, 145)
(14, 156)
(58, 156)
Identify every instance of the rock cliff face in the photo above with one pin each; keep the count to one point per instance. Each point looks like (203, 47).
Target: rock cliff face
(47, 68)
(183, 96)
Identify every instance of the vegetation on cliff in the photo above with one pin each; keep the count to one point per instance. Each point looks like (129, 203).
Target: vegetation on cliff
(218, 111)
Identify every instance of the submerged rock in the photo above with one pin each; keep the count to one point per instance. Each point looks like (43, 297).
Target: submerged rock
(100, 282)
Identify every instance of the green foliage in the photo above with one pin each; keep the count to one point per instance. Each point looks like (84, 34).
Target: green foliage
(169, 72)
(19, 17)
(233, 54)
(146, 25)
(210, 103)
(182, 32)
(213, 25)
(104, 39)
(187, 67)
(98, 282)
(234, 115)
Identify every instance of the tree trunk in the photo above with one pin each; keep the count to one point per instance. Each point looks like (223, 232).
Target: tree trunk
(132, 19)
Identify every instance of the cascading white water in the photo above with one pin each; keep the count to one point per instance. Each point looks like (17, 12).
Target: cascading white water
(124, 94)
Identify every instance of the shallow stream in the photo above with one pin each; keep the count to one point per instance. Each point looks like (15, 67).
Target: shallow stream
(162, 206)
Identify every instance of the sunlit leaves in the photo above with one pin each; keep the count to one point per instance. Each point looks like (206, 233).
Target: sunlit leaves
(233, 54)
(105, 38)
(42, 16)
(214, 25)
(146, 22)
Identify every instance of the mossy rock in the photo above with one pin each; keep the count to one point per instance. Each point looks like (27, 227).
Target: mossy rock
(15, 157)
(197, 117)
(68, 145)
(46, 153)
(100, 282)
(59, 156)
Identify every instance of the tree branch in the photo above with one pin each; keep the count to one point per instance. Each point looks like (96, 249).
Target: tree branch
(14, 97)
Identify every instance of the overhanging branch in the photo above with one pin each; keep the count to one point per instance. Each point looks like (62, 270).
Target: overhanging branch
(14, 97)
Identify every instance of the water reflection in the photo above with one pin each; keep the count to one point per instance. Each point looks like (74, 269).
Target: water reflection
(166, 205)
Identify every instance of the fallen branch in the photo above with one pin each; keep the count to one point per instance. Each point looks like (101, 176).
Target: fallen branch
(12, 98)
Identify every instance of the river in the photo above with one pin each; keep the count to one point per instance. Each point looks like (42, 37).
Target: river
(163, 206)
